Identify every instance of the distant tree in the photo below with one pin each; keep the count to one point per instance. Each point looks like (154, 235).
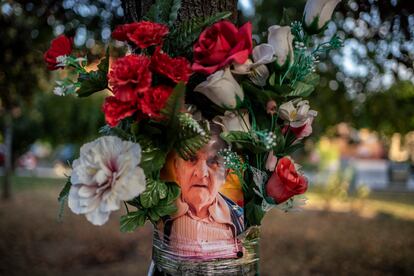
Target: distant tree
(26, 30)
(378, 53)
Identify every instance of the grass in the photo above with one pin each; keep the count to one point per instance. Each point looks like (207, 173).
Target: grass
(399, 205)
(311, 242)
(20, 183)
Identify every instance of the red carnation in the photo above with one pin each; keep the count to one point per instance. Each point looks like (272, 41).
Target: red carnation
(121, 31)
(220, 45)
(177, 69)
(60, 46)
(129, 76)
(116, 110)
(154, 100)
(285, 181)
(143, 33)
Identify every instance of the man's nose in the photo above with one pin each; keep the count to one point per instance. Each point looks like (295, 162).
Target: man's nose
(201, 169)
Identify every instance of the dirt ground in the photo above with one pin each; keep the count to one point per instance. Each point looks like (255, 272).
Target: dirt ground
(33, 242)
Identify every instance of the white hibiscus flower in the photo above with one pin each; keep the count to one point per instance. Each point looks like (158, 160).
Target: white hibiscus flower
(105, 174)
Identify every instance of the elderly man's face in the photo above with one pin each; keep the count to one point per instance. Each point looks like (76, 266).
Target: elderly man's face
(201, 176)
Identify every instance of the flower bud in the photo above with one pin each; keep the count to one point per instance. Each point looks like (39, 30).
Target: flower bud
(231, 121)
(317, 14)
(281, 39)
(222, 89)
(285, 181)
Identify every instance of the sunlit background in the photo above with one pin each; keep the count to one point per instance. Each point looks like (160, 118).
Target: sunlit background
(359, 218)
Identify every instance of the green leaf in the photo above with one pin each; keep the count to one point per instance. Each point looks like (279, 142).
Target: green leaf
(285, 18)
(301, 89)
(132, 220)
(192, 136)
(154, 191)
(254, 213)
(183, 37)
(115, 131)
(94, 81)
(312, 79)
(236, 137)
(291, 149)
(272, 79)
(173, 105)
(65, 191)
(163, 190)
(164, 11)
(173, 192)
(63, 195)
(165, 210)
(152, 159)
(174, 12)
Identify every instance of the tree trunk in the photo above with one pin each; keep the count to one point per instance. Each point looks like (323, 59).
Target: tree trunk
(8, 138)
(134, 10)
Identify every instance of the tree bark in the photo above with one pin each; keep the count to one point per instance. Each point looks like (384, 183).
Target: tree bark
(8, 138)
(134, 9)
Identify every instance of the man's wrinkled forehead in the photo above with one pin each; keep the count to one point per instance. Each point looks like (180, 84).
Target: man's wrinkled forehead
(212, 147)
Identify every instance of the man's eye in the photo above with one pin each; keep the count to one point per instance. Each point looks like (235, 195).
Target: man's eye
(213, 162)
(192, 159)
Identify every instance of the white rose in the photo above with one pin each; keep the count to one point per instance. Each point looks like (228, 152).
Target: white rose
(281, 38)
(222, 89)
(317, 13)
(231, 121)
(105, 174)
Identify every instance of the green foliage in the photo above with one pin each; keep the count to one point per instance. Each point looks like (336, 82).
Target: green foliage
(154, 192)
(115, 131)
(254, 213)
(164, 11)
(183, 36)
(192, 135)
(94, 81)
(63, 195)
(153, 158)
(173, 106)
(132, 220)
(157, 201)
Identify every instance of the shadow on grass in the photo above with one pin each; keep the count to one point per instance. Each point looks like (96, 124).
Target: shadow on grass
(304, 243)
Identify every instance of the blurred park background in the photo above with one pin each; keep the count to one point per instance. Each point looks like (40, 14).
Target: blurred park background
(359, 219)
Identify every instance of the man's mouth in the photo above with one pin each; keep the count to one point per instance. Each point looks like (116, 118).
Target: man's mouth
(199, 185)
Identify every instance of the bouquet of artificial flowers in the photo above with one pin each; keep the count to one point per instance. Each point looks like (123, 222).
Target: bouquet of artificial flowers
(201, 123)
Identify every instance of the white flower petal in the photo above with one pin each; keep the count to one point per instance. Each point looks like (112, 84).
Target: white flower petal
(97, 217)
(130, 185)
(106, 173)
(263, 54)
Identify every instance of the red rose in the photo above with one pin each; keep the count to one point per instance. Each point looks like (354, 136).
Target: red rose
(220, 45)
(116, 110)
(143, 33)
(285, 181)
(129, 76)
(60, 46)
(154, 100)
(177, 69)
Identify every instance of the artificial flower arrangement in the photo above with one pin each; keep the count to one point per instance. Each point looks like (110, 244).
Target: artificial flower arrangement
(174, 83)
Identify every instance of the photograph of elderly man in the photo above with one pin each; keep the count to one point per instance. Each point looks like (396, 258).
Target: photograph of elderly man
(207, 222)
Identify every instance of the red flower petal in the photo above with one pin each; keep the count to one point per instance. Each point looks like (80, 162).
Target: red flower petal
(116, 110)
(130, 76)
(60, 46)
